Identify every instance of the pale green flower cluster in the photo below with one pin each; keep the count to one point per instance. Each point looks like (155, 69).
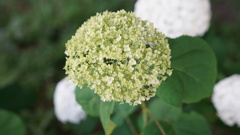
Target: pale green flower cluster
(121, 57)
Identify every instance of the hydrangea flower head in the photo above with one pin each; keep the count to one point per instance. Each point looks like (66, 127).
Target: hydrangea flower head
(226, 99)
(119, 56)
(65, 105)
(176, 17)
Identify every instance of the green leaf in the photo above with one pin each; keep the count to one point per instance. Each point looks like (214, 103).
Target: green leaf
(121, 111)
(194, 72)
(11, 124)
(163, 111)
(191, 124)
(106, 109)
(89, 101)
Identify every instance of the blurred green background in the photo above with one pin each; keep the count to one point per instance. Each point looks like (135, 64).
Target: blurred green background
(33, 34)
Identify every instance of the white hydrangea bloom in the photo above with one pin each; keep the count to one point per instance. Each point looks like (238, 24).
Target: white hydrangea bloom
(66, 107)
(176, 17)
(226, 99)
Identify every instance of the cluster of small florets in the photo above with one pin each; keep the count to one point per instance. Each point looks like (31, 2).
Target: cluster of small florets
(119, 56)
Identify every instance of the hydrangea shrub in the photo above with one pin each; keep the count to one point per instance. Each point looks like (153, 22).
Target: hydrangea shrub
(119, 61)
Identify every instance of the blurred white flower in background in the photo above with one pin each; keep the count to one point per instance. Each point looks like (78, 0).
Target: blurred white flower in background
(65, 105)
(176, 17)
(226, 99)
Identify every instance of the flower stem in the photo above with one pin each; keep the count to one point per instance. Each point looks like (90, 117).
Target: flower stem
(145, 109)
(129, 122)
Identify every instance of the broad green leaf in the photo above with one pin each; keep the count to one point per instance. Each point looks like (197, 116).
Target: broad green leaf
(89, 101)
(194, 72)
(191, 124)
(121, 111)
(106, 109)
(11, 124)
(163, 111)
(15, 98)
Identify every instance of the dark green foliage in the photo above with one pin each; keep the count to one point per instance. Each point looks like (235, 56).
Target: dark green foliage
(86, 126)
(15, 98)
(11, 124)
(191, 124)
